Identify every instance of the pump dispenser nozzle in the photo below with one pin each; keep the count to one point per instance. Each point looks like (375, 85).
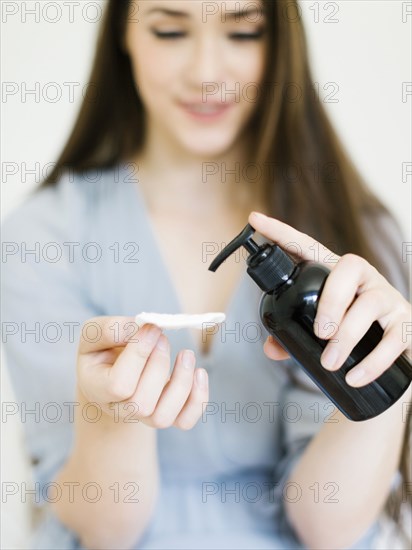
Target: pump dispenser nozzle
(268, 264)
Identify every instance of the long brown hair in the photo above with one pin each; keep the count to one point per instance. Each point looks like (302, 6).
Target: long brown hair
(291, 132)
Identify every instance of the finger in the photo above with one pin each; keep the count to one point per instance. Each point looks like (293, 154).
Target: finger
(196, 402)
(153, 378)
(104, 332)
(106, 382)
(92, 373)
(176, 391)
(107, 356)
(357, 321)
(380, 359)
(292, 240)
(274, 350)
(340, 288)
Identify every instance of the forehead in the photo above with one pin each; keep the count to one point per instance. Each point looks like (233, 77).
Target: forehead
(185, 9)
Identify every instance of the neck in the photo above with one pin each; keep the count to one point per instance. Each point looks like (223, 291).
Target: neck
(175, 182)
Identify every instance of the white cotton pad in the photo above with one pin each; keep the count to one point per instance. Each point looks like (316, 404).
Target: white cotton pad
(180, 320)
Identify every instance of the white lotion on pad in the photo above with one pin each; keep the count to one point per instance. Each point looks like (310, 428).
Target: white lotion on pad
(180, 320)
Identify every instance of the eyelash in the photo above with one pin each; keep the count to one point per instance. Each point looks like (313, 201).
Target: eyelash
(236, 36)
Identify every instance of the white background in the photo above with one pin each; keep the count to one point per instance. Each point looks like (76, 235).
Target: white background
(366, 52)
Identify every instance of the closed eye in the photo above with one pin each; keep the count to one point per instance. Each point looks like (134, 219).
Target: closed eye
(172, 35)
(245, 36)
(235, 36)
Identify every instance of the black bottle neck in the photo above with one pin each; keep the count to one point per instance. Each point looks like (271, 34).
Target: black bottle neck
(270, 267)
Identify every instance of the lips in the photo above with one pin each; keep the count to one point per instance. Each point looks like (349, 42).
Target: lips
(206, 110)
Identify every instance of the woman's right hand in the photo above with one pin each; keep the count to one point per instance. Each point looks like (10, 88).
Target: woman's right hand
(128, 374)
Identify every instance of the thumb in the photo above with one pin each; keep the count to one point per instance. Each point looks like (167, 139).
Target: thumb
(291, 240)
(105, 332)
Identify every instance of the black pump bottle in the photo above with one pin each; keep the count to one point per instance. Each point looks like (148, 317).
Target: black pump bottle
(288, 309)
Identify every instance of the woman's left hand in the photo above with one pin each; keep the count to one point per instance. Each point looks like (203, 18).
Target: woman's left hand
(354, 296)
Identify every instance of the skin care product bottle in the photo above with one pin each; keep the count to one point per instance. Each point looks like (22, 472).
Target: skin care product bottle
(287, 309)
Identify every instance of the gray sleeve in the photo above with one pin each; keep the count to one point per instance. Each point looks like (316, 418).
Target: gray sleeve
(308, 408)
(44, 304)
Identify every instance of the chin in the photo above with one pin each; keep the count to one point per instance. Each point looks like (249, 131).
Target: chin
(207, 148)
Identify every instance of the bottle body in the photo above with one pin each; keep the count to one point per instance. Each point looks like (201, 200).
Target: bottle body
(288, 313)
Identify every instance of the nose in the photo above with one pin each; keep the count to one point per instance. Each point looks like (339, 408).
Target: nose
(206, 62)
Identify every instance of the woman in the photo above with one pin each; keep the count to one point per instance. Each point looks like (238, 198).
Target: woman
(147, 458)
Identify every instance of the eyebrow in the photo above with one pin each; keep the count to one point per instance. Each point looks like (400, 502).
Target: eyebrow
(230, 15)
(167, 11)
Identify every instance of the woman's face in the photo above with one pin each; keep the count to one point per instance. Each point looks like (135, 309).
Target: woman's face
(197, 69)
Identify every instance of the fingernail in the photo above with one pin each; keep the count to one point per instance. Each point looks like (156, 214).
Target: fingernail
(152, 334)
(201, 378)
(355, 375)
(188, 358)
(163, 343)
(329, 357)
(258, 215)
